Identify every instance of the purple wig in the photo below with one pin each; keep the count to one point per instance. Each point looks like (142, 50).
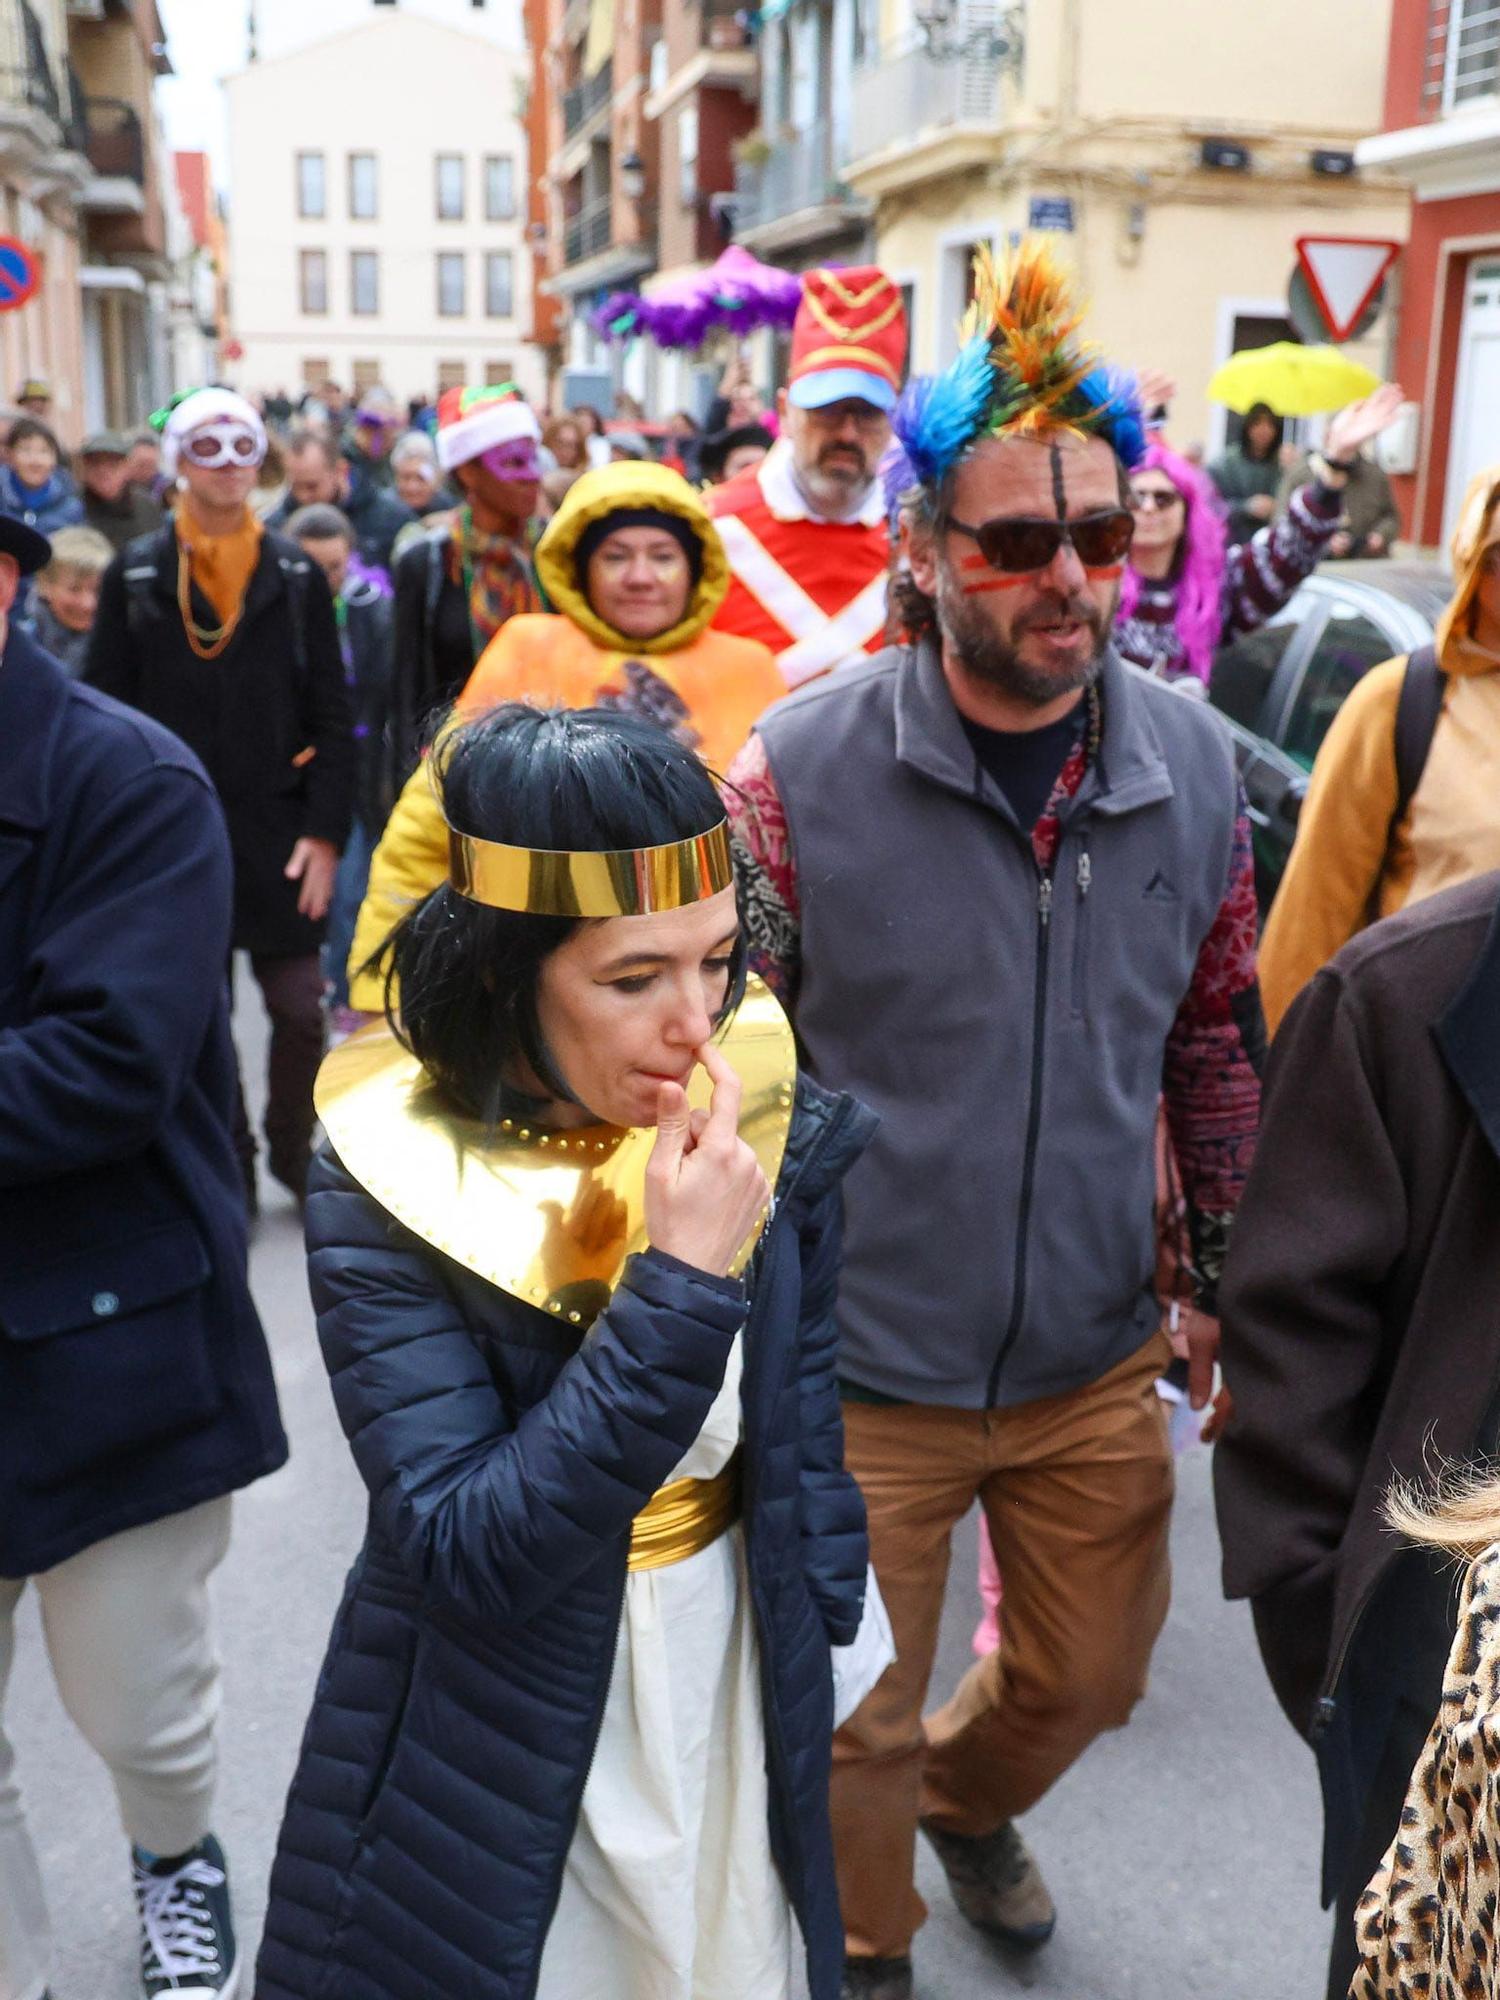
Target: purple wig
(1198, 573)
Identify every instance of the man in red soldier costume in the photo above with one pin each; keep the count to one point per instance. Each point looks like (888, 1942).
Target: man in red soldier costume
(805, 530)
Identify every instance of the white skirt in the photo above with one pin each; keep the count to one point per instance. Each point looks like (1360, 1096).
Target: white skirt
(669, 1891)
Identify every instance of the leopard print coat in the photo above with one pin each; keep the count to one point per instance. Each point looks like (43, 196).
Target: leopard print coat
(1427, 1925)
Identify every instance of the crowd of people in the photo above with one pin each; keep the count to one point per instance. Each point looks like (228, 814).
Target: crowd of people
(763, 920)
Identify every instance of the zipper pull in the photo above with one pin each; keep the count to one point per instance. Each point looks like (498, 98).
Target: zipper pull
(1044, 900)
(1085, 873)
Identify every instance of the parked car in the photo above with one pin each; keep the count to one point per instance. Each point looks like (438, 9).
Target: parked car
(1280, 687)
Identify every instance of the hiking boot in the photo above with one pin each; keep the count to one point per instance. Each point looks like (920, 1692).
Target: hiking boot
(996, 1884)
(187, 1938)
(876, 1979)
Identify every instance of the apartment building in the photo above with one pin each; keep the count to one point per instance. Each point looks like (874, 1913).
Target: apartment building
(1441, 134)
(131, 221)
(43, 169)
(649, 100)
(1176, 150)
(377, 219)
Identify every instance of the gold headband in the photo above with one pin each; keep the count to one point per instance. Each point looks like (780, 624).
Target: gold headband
(629, 882)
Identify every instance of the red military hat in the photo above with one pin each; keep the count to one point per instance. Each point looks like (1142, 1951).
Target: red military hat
(849, 339)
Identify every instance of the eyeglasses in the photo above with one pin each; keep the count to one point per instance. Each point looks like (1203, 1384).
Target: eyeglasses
(222, 444)
(1018, 545)
(1155, 499)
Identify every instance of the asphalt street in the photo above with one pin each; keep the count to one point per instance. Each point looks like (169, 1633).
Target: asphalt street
(1182, 1851)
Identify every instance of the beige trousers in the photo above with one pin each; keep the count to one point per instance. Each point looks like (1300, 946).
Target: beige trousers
(128, 1635)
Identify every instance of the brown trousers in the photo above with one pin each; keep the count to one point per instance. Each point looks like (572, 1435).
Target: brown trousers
(1077, 1490)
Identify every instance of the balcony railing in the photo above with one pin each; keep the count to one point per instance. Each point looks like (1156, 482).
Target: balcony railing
(114, 140)
(26, 74)
(588, 232)
(799, 173)
(907, 95)
(585, 99)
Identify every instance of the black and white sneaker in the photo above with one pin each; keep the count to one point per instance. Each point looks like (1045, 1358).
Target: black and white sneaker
(187, 1939)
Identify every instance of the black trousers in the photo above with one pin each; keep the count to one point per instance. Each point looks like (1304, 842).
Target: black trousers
(1390, 1691)
(292, 988)
(1389, 1782)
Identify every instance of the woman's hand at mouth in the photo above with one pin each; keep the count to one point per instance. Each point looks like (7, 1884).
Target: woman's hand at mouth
(704, 1186)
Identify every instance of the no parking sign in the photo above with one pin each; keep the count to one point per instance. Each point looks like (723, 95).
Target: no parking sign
(20, 273)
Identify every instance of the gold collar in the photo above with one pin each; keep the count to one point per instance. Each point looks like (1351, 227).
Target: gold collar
(549, 1217)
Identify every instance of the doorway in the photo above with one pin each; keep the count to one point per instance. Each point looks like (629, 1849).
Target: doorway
(1476, 399)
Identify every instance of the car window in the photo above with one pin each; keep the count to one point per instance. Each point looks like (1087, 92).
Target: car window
(1243, 671)
(1349, 644)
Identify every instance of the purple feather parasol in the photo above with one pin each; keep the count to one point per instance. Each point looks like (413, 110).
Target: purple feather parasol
(737, 293)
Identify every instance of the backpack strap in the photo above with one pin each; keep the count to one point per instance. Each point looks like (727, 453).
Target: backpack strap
(295, 572)
(1421, 702)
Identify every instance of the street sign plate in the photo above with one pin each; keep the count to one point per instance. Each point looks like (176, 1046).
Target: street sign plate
(1343, 274)
(20, 273)
(1052, 212)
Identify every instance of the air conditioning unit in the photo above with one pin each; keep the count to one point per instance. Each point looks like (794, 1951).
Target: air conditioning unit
(1225, 156)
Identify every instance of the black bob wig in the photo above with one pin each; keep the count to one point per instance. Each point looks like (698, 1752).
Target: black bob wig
(531, 777)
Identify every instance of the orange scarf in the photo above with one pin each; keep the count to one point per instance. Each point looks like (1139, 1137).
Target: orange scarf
(221, 566)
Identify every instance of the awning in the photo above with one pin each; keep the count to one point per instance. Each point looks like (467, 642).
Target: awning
(111, 278)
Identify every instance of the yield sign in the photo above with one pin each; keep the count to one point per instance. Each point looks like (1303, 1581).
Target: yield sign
(1344, 274)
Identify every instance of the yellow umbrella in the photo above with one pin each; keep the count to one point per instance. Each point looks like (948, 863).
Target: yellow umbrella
(1295, 381)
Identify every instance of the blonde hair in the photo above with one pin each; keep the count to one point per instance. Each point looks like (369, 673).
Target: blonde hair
(1461, 1515)
(83, 551)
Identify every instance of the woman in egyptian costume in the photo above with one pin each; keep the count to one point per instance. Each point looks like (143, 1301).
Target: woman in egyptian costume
(573, 1248)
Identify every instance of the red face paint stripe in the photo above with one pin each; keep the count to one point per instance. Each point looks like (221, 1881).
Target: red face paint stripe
(998, 583)
(974, 562)
(1107, 575)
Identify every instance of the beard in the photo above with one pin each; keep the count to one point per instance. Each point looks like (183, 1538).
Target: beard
(995, 662)
(837, 479)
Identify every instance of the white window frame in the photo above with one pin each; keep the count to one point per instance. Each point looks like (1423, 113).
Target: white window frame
(357, 214)
(1457, 12)
(308, 157)
(446, 260)
(357, 310)
(440, 161)
(500, 211)
(687, 157)
(305, 257)
(492, 262)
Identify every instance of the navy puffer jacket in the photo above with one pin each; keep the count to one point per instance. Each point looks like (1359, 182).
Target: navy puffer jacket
(457, 1710)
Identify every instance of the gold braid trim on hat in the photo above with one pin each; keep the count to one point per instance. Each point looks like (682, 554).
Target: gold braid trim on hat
(854, 300)
(871, 327)
(624, 882)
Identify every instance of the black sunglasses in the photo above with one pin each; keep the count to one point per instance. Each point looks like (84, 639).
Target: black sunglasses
(1016, 545)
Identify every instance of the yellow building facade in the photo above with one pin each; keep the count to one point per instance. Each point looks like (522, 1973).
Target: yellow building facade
(1177, 148)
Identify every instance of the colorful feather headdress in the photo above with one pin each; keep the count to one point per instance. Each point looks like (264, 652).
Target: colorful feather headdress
(1023, 369)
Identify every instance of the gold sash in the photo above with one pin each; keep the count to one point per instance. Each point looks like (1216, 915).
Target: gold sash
(680, 1519)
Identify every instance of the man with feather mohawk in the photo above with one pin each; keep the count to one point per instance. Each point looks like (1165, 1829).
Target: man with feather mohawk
(1004, 882)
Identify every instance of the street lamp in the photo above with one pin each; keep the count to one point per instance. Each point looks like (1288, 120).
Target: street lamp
(632, 175)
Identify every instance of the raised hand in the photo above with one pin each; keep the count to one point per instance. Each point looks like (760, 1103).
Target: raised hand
(1357, 423)
(704, 1185)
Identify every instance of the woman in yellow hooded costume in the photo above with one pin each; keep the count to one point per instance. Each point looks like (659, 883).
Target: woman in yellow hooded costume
(634, 565)
(1350, 864)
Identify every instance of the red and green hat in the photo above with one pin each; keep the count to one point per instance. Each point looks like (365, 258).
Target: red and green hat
(471, 421)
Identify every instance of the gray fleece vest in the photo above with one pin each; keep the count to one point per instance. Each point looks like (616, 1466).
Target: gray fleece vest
(1010, 1030)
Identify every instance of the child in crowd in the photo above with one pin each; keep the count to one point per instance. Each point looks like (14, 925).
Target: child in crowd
(66, 595)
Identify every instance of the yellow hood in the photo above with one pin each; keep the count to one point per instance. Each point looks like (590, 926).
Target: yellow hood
(597, 494)
(1477, 530)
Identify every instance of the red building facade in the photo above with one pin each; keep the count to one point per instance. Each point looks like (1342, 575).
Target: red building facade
(1442, 134)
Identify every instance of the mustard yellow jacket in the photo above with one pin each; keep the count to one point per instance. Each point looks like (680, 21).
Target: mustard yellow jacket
(1343, 868)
